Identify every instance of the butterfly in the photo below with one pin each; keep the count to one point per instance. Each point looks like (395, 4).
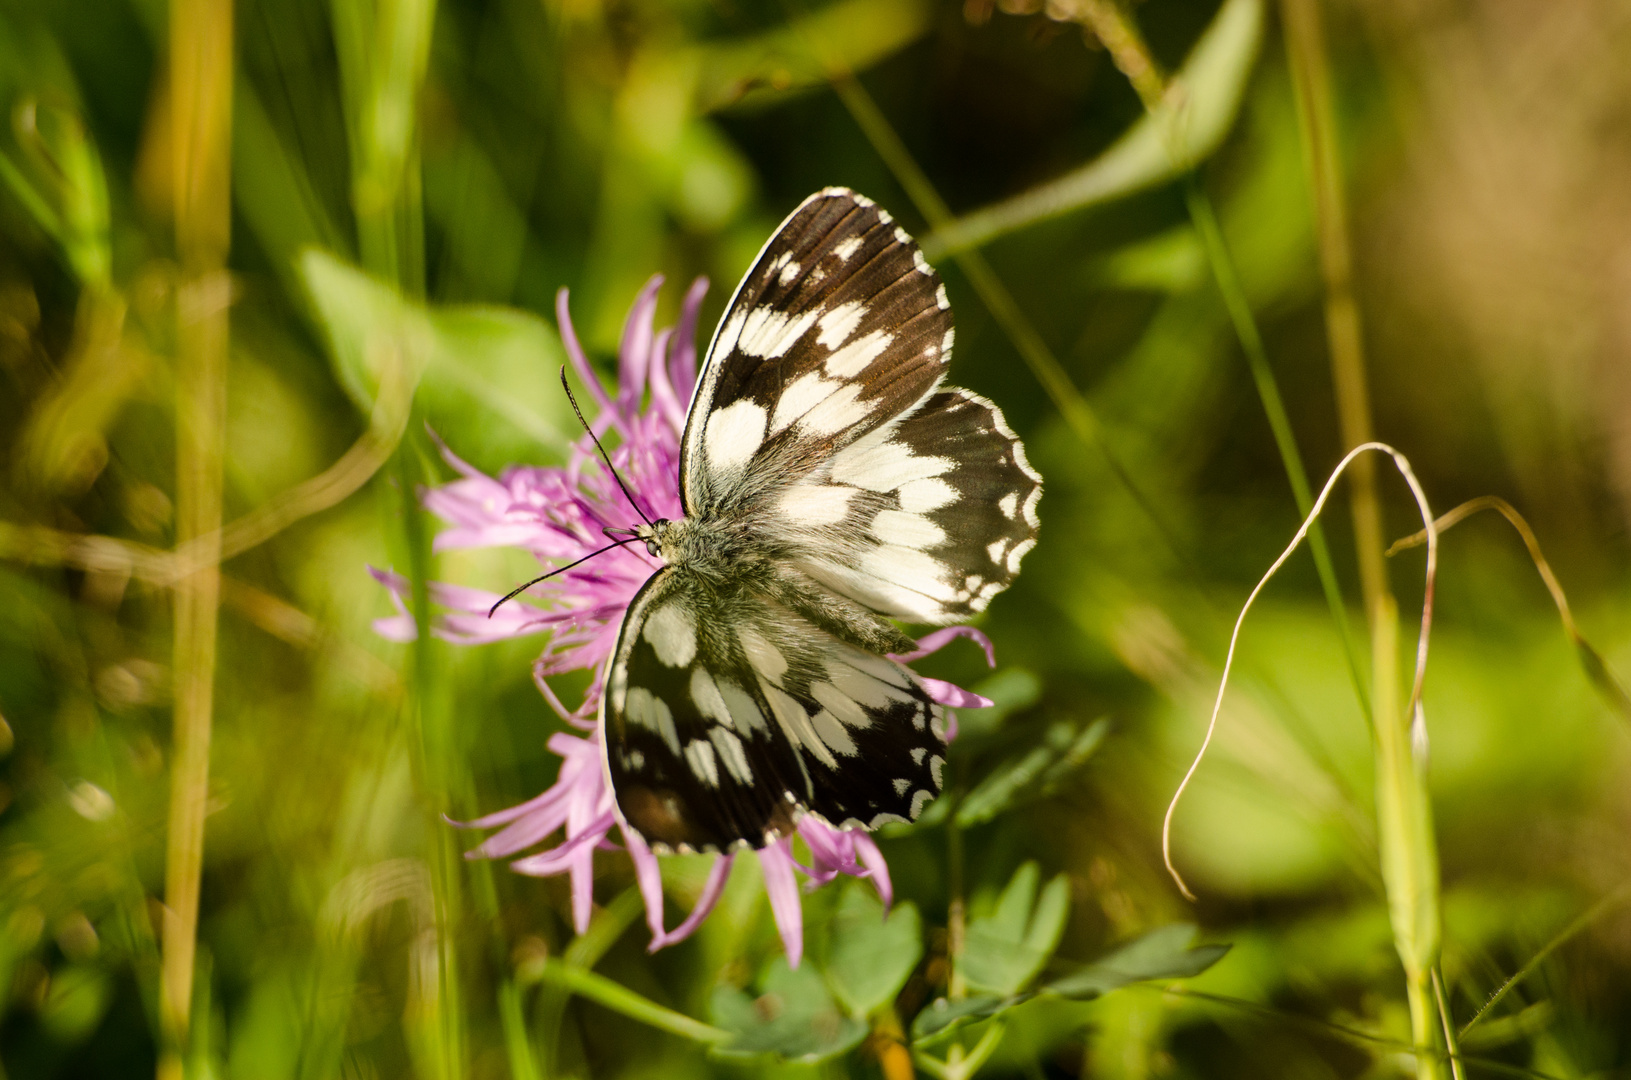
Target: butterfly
(830, 484)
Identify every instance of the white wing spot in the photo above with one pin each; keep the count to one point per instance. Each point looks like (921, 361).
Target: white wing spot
(700, 756)
(994, 549)
(745, 712)
(901, 786)
(673, 634)
(1009, 504)
(1018, 553)
(768, 333)
(840, 704)
(833, 734)
(846, 247)
(883, 215)
(908, 530)
(946, 342)
(853, 358)
(732, 754)
(840, 410)
(919, 801)
(816, 504)
(926, 495)
(645, 709)
(803, 394)
(921, 263)
(734, 434)
(860, 688)
(876, 464)
(917, 755)
(710, 703)
(941, 300)
(860, 200)
(766, 659)
(936, 764)
(635, 760)
(901, 234)
(789, 272)
(840, 322)
(884, 819)
(795, 724)
(1030, 506)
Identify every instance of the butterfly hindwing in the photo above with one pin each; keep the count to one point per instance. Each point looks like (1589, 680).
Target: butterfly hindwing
(728, 715)
(941, 508)
(841, 325)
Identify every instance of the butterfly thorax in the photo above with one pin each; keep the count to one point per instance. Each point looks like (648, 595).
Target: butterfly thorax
(710, 546)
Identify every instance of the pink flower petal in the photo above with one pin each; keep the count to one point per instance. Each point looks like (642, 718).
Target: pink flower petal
(711, 891)
(950, 694)
(939, 639)
(574, 354)
(560, 858)
(776, 859)
(648, 876)
(683, 364)
(634, 353)
(873, 860)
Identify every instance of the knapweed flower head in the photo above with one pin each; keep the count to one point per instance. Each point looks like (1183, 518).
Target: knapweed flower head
(558, 514)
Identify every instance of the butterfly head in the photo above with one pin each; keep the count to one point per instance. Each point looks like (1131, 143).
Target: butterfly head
(649, 534)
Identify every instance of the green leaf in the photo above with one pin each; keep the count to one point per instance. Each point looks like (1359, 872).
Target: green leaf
(1004, 950)
(1164, 953)
(1009, 690)
(945, 1016)
(486, 376)
(849, 35)
(868, 957)
(1034, 774)
(793, 1018)
(1190, 123)
(78, 997)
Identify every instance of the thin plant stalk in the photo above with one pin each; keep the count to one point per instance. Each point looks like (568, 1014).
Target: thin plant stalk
(1116, 30)
(201, 111)
(384, 51)
(1404, 809)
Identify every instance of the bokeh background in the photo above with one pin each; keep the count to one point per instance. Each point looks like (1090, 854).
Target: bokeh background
(213, 217)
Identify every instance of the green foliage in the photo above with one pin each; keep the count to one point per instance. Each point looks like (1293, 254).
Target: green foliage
(412, 183)
(869, 957)
(793, 1017)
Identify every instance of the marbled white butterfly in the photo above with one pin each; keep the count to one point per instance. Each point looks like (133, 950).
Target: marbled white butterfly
(830, 484)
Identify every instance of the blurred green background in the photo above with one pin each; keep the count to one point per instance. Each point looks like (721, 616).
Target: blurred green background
(413, 180)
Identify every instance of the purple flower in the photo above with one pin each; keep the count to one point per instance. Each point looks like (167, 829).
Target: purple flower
(558, 513)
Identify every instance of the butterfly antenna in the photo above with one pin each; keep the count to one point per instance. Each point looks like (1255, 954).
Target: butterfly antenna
(603, 455)
(519, 589)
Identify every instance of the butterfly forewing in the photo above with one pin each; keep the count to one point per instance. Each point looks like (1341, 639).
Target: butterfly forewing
(728, 715)
(839, 326)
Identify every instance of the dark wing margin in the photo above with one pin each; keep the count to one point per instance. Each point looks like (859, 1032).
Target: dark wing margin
(729, 716)
(840, 325)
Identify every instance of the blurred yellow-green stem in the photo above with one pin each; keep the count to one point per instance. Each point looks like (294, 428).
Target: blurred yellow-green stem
(201, 59)
(1404, 827)
(1311, 85)
(1404, 811)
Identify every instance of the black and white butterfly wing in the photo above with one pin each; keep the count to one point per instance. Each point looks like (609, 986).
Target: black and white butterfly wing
(819, 425)
(839, 326)
(728, 715)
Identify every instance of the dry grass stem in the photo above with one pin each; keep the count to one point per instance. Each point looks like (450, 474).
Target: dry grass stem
(1403, 465)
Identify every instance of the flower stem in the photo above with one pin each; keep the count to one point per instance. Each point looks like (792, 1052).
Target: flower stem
(201, 110)
(619, 998)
